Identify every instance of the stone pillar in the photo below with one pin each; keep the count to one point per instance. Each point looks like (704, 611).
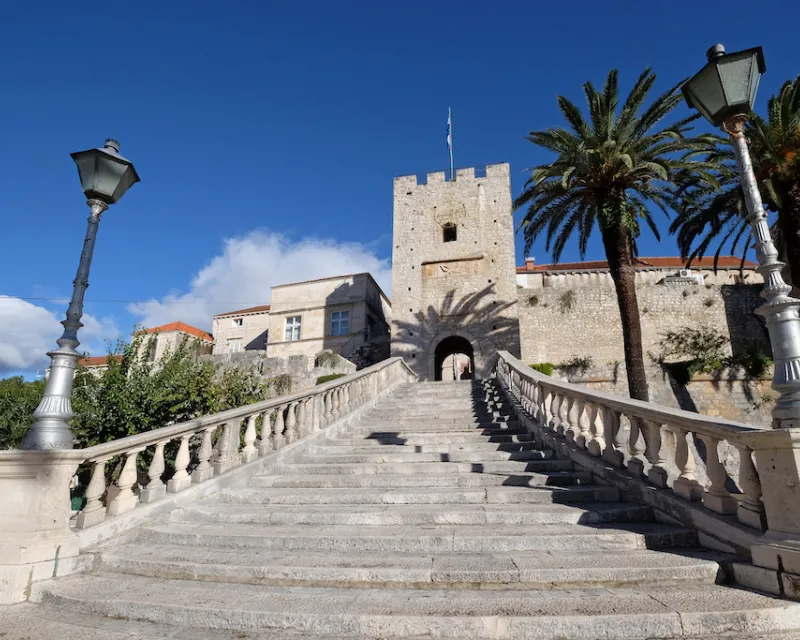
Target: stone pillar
(36, 542)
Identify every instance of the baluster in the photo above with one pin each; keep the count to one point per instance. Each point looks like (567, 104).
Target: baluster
(222, 457)
(555, 401)
(655, 453)
(302, 426)
(716, 497)
(203, 471)
(583, 434)
(334, 404)
(93, 511)
(751, 507)
(181, 479)
(126, 500)
(155, 489)
(345, 399)
(564, 424)
(277, 429)
(249, 452)
(328, 411)
(264, 440)
(597, 428)
(613, 452)
(291, 424)
(686, 484)
(636, 447)
(544, 406)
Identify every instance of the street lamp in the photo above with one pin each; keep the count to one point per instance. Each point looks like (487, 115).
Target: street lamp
(724, 91)
(105, 177)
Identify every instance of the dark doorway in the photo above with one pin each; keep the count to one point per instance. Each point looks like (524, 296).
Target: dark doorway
(462, 361)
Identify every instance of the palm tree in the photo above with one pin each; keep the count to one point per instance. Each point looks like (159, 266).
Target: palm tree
(709, 214)
(606, 173)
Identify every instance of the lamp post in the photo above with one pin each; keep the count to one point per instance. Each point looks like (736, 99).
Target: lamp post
(724, 91)
(105, 177)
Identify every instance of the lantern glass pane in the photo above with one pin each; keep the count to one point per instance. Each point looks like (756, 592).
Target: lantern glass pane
(707, 93)
(735, 71)
(109, 175)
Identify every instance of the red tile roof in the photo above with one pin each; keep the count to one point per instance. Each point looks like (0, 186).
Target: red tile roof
(97, 361)
(180, 326)
(241, 312)
(674, 262)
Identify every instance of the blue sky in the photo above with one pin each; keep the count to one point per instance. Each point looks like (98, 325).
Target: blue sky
(267, 134)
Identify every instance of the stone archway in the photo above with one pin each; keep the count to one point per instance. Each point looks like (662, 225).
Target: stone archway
(457, 352)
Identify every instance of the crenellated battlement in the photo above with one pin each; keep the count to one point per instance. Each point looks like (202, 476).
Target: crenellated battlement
(482, 172)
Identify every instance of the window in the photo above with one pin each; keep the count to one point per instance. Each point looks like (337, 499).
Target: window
(340, 323)
(238, 322)
(152, 350)
(449, 232)
(235, 345)
(292, 328)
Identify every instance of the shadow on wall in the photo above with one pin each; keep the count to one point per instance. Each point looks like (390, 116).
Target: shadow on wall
(745, 327)
(259, 343)
(366, 333)
(472, 314)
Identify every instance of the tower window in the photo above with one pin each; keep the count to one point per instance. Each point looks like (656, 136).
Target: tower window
(449, 232)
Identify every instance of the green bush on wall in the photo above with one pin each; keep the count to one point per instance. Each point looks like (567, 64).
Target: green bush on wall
(329, 377)
(544, 367)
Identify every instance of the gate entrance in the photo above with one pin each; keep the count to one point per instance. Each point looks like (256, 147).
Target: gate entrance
(454, 359)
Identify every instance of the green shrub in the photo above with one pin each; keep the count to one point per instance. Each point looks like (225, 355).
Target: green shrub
(544, 367)
(326, 359)
(329, 377)
(577, 364)
(566, 301)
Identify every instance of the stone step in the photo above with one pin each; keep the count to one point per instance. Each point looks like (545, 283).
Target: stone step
(485, 431)
(429, 438)
(422, 495)
(446, 571)
(375, 446)
(706, 611)
(415, 515)
(434, 417)
(387, 480)
(30, 621)
(351, 457)
(429, 539)
(424, 468)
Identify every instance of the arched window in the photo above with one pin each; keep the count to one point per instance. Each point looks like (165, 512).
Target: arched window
(449, 232)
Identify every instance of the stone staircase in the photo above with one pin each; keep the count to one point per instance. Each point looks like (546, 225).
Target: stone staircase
(435, 516)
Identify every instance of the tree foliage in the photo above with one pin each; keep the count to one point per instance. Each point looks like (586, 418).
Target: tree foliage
(607, 172)
(133, 395)
(716, 213)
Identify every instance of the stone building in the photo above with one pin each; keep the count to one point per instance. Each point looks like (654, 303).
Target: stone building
(242, 330)
(570, 310)
(453, 270)
(346, 314)
(159, 340)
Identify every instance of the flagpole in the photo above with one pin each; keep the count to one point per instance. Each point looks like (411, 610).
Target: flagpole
(450, 139)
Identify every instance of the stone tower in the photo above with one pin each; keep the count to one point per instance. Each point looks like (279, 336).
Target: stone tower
(453, 270)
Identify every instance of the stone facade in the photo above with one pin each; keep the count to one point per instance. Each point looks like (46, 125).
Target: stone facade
(158, 341)
(453, 269)
(243, 330)
(322, 307)
(557, 323)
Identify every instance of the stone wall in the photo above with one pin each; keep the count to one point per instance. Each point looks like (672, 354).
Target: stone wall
(557, 324)
(302, 369)
(729, 395)
(462, 286)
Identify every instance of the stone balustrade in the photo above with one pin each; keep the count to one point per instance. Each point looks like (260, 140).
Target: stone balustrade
(40, 533)
(670, 449)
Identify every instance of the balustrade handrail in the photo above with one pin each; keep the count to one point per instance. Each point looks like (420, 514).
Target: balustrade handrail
(709, 425)
(147, 438)
(656, 444)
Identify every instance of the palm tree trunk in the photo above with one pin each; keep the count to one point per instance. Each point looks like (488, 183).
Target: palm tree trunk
(619, 253)
(789, 221)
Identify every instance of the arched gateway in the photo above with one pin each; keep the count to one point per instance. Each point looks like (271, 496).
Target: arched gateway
(454, 359)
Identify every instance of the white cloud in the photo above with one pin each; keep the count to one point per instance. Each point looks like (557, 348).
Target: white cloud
(249, 265)
(30, 331)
